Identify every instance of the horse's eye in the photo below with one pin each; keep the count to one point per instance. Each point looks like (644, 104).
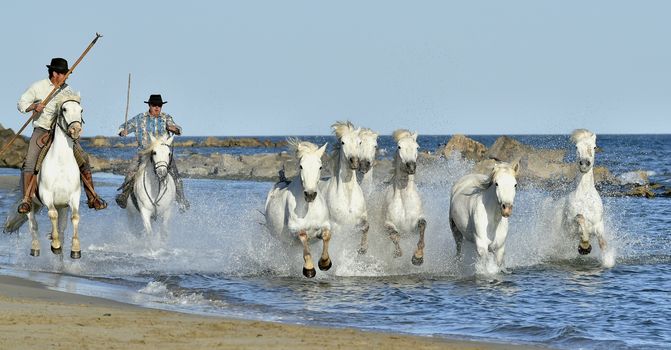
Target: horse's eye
(497, 184)
(515, 185)
(399, 147)
(342, 142)
(153, 153)
(320, 168)
(301, 167)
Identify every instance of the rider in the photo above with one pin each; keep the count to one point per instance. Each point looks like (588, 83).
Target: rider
(156, 123)
(44, 119)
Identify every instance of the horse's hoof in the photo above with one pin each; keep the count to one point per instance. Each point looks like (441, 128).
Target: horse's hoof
(309, 273)
(398, 253)
(325, 265)
(76, 254)
(585, 251)
(35, 252)
(57, 251)
(362, 251)
(417, 261)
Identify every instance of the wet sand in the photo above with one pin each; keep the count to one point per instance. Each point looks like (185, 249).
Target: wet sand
(34, 317)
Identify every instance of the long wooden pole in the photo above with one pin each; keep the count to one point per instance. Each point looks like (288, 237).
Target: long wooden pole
(125, 123)
(51, 94)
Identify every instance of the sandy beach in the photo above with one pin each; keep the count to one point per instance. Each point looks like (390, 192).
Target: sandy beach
(34, 317)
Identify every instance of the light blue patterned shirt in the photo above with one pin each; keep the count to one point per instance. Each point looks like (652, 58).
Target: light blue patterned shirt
(144, 125)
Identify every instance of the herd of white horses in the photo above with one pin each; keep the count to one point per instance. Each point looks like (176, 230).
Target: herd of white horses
(310, 207)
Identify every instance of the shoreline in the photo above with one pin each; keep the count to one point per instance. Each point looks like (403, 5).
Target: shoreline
(35, 316)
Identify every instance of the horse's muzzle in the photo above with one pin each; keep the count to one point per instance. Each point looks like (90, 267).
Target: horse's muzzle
(584, 165)
(354, 163)
(310, 195)
(586, 250)
(75, 131)
(410, 168)
(506, 210)
(364, 166)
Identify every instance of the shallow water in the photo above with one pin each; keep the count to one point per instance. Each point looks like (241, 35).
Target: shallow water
(219, 260)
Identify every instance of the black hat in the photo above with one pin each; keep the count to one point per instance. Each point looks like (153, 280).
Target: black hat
(156, 100)
(59, 65)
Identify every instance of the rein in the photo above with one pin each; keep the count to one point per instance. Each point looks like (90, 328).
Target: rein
(157, 166)
(61, 119)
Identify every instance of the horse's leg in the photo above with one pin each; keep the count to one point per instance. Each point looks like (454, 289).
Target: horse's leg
(458, 237)
(418, 257)
(395, 237)
(325, 261)
(499, 255)
(56, 247)
(363, 227)
(146, 221)
(598, 232)
(76, 250)
(308, 266)
(32, 225)
(584, 247)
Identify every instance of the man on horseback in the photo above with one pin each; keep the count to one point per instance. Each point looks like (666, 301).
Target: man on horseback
(156, 123)
(43, 124)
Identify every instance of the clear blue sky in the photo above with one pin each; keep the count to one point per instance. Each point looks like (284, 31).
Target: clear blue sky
(294, 67)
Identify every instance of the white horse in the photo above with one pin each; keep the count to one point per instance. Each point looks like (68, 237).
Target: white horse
(58, 179)
(479, 209)
(298, 210)
(154, 189)
(368, 151)
(582, 213)
(402, 203)
(342, 191)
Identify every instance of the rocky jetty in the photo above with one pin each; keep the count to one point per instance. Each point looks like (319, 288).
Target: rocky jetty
(14, 156)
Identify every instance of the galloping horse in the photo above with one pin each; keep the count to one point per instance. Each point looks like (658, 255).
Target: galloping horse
(479, 209)
(342, 191)
(154, 189)
(58, 181)
(402, 204)
(368, 150)
(582, 213)
(298, 210)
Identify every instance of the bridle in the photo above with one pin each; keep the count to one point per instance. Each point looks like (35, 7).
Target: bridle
(161, 189)
(62, 123)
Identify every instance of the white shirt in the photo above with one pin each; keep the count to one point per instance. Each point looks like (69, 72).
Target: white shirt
(38, 92)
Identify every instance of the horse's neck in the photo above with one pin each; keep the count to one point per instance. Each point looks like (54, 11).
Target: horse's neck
(585, 182)
(61, 142)
(401, 179)
(491, 201)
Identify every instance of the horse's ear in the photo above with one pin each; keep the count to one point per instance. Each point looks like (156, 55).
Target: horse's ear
(322, 149)
(414, 136)
(516, 168)
(152, 138)
(170, 139)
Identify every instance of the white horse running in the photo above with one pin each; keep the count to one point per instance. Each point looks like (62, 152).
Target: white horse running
(479, 209)
(298, 210)
(58, 180)
(582, 213)
(402, 203)
(154, 189)
(342, 191)
(368, 151)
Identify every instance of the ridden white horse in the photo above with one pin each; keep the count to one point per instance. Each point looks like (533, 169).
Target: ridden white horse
(298, 210)
(582, 213)
(154, 189)
(402, 203)
(58, 180)
(343, 194)
(479, 209)
(368, 151)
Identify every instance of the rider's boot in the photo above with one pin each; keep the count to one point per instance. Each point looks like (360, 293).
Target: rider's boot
(94, 201)
(182, 202)
(29, 185)
(126, 189)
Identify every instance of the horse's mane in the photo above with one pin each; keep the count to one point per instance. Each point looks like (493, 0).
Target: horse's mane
(301, 147)
(340, 128)
(67, 95)
(476, 183)
(400, 134)
(366, 132)
(580, 134)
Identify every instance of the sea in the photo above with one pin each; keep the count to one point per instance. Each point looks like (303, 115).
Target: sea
(219, 260)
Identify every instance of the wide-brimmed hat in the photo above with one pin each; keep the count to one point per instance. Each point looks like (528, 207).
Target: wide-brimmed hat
(156, 100)
(59, 65)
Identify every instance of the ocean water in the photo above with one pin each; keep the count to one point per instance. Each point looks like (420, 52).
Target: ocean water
(218, 259)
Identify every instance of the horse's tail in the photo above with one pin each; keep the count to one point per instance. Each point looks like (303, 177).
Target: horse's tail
(14, 221)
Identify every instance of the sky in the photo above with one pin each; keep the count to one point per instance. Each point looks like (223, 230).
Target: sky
(257, 68)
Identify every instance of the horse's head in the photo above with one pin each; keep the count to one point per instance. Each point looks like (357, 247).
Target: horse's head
(309, 158)
(70, 114)
(406, 152)
(160, 154)
(585, 143)
(367, 149)
(504, 178)
(349, 140)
